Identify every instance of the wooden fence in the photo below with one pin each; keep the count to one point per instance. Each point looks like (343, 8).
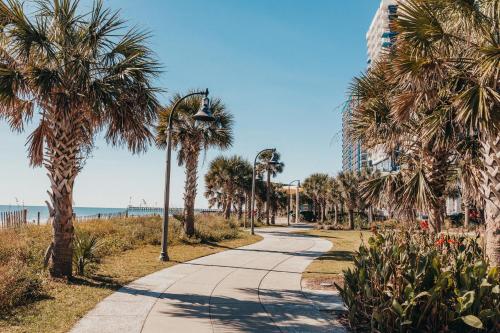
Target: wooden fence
(101, 216)
(13, 219)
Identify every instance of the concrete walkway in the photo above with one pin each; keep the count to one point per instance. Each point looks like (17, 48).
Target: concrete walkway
(256, 288)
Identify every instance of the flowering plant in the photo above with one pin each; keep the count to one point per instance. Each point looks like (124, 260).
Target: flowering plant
(403, 282)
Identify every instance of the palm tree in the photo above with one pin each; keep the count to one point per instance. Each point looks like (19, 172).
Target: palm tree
(84, 74)
(348, 184)
(317, 186)
(223, 179)
(334, 197)
(458, 55)
(444, 71)
(279, 200)
(191, 137)
(272, 170)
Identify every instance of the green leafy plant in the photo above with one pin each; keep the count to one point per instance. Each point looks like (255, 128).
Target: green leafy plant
(85, 246)
(410, 281)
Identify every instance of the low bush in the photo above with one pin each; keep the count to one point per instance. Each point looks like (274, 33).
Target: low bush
(22, 250)
(215, 228)
(20, 264)
(410, 281)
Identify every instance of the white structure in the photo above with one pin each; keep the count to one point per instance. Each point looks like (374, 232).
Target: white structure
(379, 38)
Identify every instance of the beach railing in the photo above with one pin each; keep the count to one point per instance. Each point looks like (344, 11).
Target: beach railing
(99, 216)
(13, 219)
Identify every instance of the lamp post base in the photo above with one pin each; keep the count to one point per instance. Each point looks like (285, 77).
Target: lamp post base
(164, 256)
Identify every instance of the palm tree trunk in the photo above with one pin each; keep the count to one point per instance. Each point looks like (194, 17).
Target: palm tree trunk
(240, 209)
(438, 167)
(335, 214)
(351, 219)
(62, 167)
(268, 197)
(322, 208)
(491, 190)
(229, 204)
(370, 215)
(190, 186)
(466, 204)
(248, 207)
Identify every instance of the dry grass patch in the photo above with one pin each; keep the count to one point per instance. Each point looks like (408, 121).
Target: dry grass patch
(328, 268)
(59, 304)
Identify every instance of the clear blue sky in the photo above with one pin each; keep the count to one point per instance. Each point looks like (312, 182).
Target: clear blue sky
(281, 66)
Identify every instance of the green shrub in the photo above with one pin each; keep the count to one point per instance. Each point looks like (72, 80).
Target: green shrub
(85, 247)
(410, 281)
(215, 229)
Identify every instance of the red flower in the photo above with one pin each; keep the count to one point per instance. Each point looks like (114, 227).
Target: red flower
(440, 241)
(424, 225)
(452, 241)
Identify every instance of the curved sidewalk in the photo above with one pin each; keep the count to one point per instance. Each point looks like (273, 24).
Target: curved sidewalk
(256, 288)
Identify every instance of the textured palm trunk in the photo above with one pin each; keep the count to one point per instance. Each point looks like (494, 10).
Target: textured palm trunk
(62, 165)
(351, 219)
(466, 204)
(491, 190)
(322, 208)
(190, 186)
(268, 197)
(248, 208)
(370, 215)
(229, 204)
(240, 209)
(438, 167)
(336, 221)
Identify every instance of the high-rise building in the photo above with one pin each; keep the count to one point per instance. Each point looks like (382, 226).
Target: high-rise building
(380, 36)
(379, 39)
(353, 156)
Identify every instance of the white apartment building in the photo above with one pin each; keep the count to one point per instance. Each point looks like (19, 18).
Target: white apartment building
(379, 38)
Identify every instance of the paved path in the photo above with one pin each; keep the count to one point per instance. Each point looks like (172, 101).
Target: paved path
(256, 288)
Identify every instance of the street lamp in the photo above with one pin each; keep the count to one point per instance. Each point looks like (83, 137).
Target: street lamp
(290, 200)
(272, 161)
(203, 114)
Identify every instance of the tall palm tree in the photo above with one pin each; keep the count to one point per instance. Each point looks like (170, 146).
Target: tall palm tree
(272, 170)
(83, 73)
(191, 137)
(317, 186)
(348, 183)
(279, 201)
(334, 197)
(444, 72)
(453, 48)
(223, 179)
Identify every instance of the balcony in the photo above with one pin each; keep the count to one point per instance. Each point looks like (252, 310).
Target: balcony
(392, 9)
(386, 44)
(389, 34)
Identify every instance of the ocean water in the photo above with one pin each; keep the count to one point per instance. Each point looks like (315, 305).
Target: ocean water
(44, 212)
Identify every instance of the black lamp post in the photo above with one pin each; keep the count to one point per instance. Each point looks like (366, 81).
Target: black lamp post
(272, 161)
(203, 114)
